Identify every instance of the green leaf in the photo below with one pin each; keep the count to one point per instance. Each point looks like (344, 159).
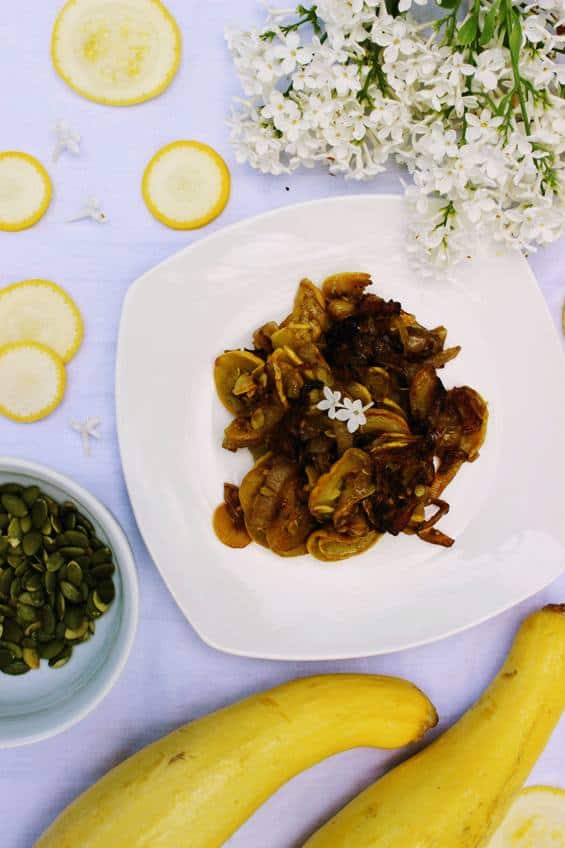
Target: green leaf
(468, 31)
(489, 24)
(392, 8)
(515, 37)
(449, 4)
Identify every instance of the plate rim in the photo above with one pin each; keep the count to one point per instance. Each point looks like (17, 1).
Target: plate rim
(120, 422)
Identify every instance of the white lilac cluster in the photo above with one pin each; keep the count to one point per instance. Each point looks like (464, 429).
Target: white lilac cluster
(472, 102)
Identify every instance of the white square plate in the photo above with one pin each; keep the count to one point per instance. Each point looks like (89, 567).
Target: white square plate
(506, 509)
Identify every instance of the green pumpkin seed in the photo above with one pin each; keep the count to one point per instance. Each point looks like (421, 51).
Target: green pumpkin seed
(48, 620)
(39, 513)
(15, 587)
(31, 543)
(54, 561)
(11, 488)
(49, 544)
(51, 581)
(106, 591)
(52, 506)
(74, 634)
(70, 592)
(5, 582)
(60, 606)
(12, 632)
(33, 581)
(77, 539)
(50, 649)
(14, 529)
(17, 667)
(55, 579)
(103, 554)
(69, 520)
(71, 552)
(102, 571)
(27, 613)
(14, 649)
(73, 617)
(21, 568)
(84, 561)
(30, 495)
(74, 573)
(31, 657)
(85, 523)
(32, 599)
(100, 605)
(5, 658)
(14, 505)
(62, 659)
(34, 627)
(56, 525)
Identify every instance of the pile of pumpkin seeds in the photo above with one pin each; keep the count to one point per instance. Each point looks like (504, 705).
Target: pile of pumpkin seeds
(55, 579)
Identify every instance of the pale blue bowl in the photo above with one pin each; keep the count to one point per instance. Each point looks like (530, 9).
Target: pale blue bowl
(47, 701)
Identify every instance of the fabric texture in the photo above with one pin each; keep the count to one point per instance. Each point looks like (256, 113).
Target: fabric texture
(172, 676)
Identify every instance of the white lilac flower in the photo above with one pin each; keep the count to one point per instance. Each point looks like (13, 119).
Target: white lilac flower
(353, 412)
(394, 38)
(405, 5)
(88, 429)
(438, 143)
(331, 402)
(480, 205)
(362, 89)
(489, 65)
(280, 110)
(483, 127)
(291, 53)
(91, 210)
(67, 140)
(535, 29)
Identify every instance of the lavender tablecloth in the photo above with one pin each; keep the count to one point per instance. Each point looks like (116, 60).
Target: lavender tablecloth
(172, 676)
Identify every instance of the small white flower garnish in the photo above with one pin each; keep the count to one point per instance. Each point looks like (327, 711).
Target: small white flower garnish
(87, 429)
(331, 402)
(67, 139)
(346, 410)
(92, 210)
(353, 412)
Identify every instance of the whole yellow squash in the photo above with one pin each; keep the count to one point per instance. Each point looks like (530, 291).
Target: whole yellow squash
(455, 793)
(195, 787)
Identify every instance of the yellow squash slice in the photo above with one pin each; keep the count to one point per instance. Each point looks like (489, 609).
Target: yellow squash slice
(186, 185)
(25, 191)
(40, 311)
(32, 381)
(536, 819)
(116, 52)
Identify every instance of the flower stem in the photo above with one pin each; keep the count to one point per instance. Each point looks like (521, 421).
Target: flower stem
(518, 87)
